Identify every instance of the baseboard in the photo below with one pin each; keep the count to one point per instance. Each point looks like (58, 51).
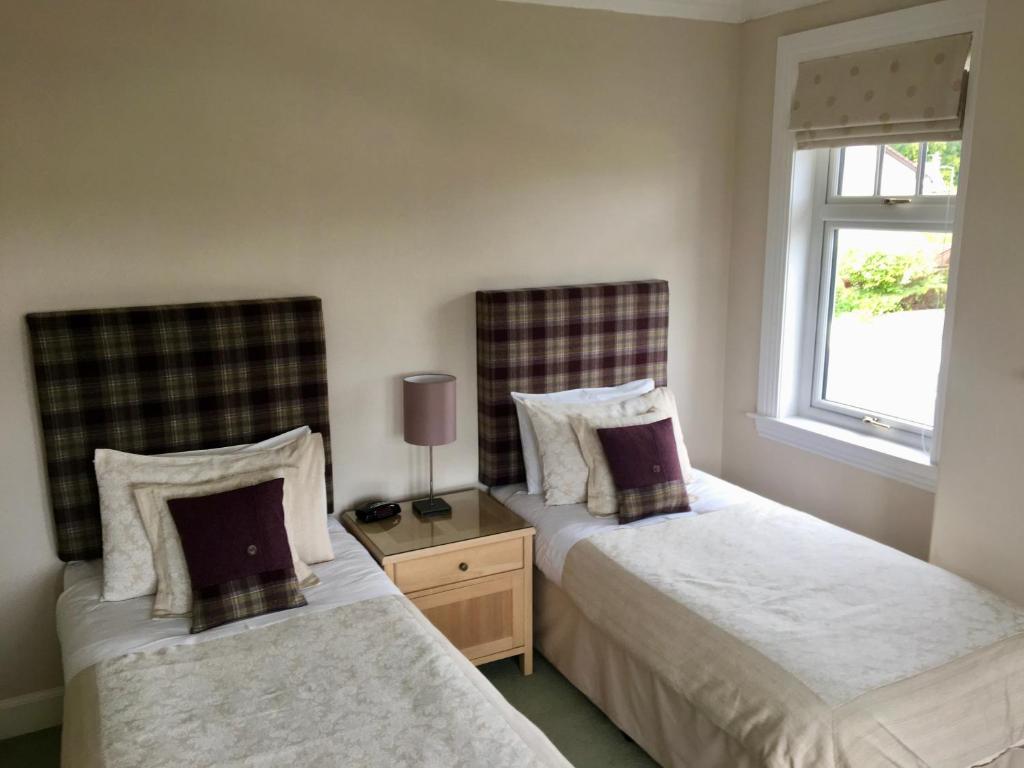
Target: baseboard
(31, 712)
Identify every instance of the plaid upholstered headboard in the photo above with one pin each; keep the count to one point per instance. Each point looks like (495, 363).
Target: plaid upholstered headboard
(169, 378)
(550, 339)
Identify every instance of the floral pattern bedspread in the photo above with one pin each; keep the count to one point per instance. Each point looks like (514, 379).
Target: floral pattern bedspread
(367, 684)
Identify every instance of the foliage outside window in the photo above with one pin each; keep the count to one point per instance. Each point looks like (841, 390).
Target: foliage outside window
(880, 282)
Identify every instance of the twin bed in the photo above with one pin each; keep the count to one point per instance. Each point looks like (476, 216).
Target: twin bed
(356, 677)
(740, 633)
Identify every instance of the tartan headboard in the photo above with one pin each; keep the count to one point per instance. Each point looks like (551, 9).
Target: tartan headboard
(169, 378)
(550, 339)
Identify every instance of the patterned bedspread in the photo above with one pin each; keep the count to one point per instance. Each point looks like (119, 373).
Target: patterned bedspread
(367, 684)
(811, 646)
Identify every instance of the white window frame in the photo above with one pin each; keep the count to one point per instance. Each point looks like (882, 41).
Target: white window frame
(831, 212)
(799, 186)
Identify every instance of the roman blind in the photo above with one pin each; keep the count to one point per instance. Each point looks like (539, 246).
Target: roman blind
(904, 93)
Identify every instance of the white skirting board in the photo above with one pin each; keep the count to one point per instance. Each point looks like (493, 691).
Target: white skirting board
(31, 712)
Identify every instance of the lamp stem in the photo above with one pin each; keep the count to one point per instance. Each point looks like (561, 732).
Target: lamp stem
(431, 473)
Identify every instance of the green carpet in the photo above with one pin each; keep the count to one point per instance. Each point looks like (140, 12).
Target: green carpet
(580, 730)
(584, 735)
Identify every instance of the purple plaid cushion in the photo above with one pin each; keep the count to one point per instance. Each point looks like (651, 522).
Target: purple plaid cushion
(644, 464)
(237, 552)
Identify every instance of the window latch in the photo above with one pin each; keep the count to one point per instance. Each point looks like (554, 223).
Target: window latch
(875, 422)
(895, 200)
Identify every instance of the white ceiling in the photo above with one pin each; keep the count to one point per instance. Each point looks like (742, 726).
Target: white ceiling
(735, 11)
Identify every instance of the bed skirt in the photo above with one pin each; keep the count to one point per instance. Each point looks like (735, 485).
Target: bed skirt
(639, 702)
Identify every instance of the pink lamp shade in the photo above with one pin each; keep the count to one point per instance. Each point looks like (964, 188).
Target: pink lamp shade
(429, 408)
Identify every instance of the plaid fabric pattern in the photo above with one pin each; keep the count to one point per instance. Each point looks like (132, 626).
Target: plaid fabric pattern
(638, 503)
(245, 597)
(169, 378)
(550, 339)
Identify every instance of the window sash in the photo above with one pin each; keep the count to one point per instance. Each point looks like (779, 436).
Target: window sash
(835, 174)
(830, 213)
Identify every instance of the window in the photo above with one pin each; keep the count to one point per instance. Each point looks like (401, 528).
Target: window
(897, 170)
(884, 217)
(865, 194)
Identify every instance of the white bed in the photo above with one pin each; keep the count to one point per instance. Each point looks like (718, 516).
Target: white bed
(744, 633)
(357, 676)
(378, 710)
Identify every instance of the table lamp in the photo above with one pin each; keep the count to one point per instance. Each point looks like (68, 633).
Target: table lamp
(429, 417)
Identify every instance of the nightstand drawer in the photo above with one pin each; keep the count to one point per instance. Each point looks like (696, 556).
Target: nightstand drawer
(438, 570)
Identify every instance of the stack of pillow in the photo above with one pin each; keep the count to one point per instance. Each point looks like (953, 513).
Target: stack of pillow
(221, 534)
(619, 449)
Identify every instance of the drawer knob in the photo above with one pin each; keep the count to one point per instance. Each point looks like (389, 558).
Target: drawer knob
(463, 566)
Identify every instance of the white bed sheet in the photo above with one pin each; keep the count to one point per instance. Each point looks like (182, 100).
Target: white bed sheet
(91, 630)
(560, 527)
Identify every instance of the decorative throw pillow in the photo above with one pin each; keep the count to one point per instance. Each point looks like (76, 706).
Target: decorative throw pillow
(601, 494)
(236, 547)
(128, 568)
(565, 469)
(602, 498)
(173, 590)
(528, 438)
(644, 463)
(312, 539)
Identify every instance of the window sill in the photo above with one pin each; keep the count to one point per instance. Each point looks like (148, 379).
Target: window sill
(897, 462)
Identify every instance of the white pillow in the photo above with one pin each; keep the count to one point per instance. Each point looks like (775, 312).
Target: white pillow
(174, 588)
(309, 536)
(565, 470)
(602, 500)
(271, 442)
(531, 452)
(128, 569)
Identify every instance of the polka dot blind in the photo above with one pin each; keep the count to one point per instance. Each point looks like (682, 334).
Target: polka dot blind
(904, 93)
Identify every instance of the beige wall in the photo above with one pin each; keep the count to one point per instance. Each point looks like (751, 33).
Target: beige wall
(391, 156)
(979, 515)
(891, 512)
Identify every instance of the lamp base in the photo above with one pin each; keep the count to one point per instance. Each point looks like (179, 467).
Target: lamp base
(434, 506)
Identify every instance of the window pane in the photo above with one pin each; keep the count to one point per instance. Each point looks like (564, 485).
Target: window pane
(899, 170)
(941, 167)
(885, 324)
(857, 177)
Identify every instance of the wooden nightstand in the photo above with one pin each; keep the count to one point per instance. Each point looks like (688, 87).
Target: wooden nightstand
(470, 572)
